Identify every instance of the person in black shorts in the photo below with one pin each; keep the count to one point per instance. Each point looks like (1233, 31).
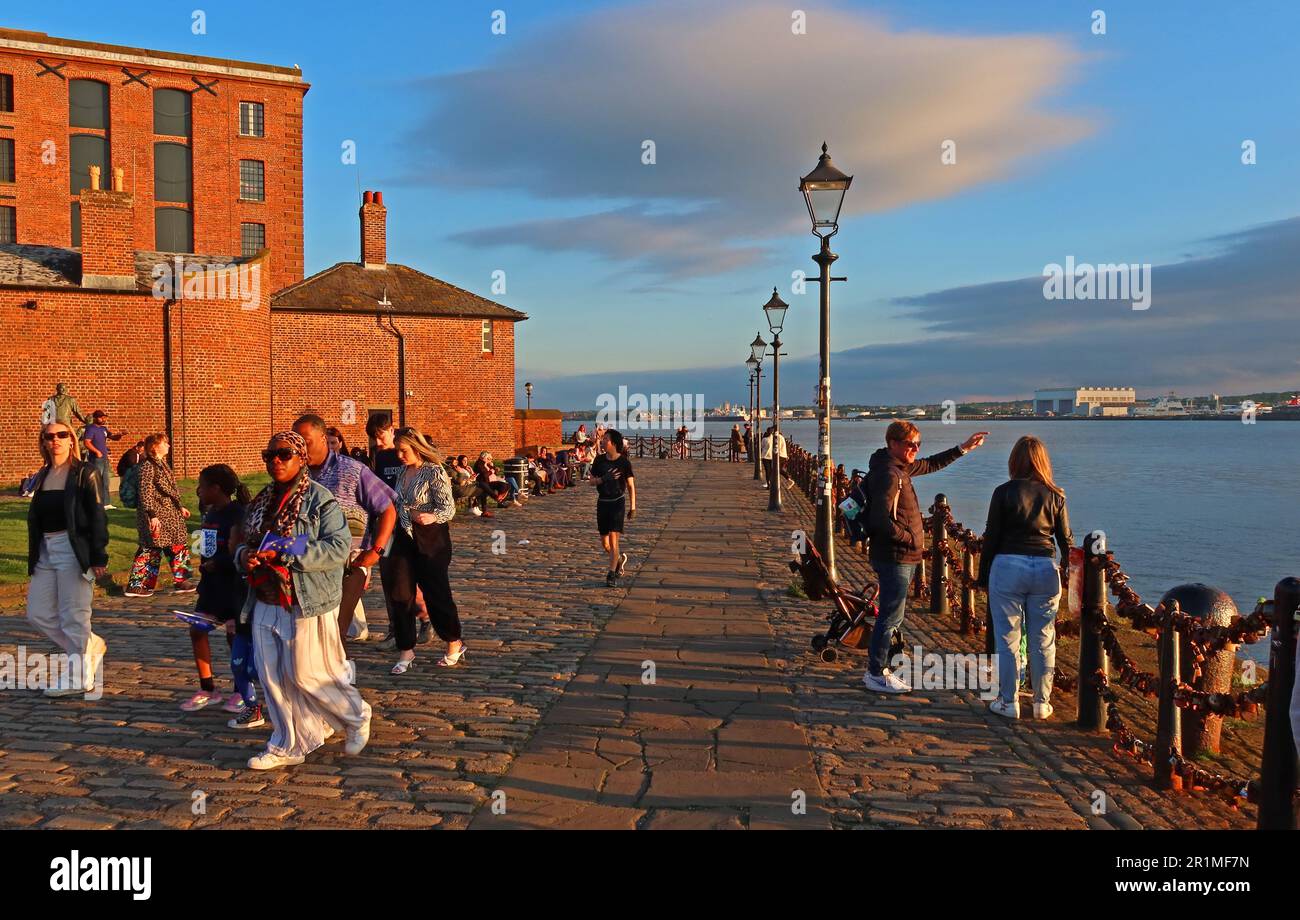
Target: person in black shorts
(611, 474)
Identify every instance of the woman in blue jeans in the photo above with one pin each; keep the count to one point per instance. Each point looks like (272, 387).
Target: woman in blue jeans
(1026, 515)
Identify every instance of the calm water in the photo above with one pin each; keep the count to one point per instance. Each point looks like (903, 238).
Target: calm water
(1180, 501)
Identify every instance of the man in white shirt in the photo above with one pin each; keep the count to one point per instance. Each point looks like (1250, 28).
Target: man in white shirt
(766, 454)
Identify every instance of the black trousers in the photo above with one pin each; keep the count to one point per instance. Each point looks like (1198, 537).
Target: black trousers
(403, 570)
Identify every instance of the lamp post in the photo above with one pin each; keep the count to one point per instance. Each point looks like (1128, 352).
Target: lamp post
(754, 415)
(528, 392)
(758, 348)
(823, 190)
(753, 370)
(775, 309)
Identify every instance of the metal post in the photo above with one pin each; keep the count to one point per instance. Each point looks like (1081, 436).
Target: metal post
(967, 590)
(1277, 780)
(1092, 656)
(918, 579)
(824, 535)
(774, 485)
(754, 435)
(1169, 721)
(939, 564)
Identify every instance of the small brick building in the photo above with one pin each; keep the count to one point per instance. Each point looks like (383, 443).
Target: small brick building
(119, 167)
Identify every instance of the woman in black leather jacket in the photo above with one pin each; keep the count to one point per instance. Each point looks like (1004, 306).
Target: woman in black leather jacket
(1026, 515)
(67, 548)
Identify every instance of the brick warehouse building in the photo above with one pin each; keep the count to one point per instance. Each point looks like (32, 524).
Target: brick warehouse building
(205, 155)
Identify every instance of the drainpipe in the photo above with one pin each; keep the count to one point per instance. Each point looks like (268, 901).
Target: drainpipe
(401, 366)
(167, 370)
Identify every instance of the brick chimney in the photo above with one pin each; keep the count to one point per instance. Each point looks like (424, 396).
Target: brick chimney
(374, 231)
(107, 247)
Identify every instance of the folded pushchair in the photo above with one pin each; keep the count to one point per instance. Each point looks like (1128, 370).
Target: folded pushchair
(853, 615)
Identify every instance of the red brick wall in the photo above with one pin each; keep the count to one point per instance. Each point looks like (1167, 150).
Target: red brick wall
(108, 348)
(538, 427)
(41, 193)
(106, 247)
(462, 399)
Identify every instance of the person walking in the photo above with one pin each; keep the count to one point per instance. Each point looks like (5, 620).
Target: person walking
(897, 535)
(367, 504)
(420, 556)
(611, 474)
(735, 444)
(160, 524)
(1026, 514)
(95, 441)
(295, 588)
(67, 549)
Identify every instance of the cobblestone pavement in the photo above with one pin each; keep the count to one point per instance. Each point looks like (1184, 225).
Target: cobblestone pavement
(554, 720)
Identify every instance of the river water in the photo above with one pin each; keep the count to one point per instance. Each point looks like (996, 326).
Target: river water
(1180, 501)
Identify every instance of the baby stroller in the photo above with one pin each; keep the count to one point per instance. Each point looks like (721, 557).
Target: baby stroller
(854, 614)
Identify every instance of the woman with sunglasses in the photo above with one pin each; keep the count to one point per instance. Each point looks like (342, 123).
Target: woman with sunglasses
(295, 589)
(67, 548)
(160, 523)
(421, 551)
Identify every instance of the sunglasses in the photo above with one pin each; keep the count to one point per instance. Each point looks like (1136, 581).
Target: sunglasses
(912, 445)
(283, 454)
(51, 435)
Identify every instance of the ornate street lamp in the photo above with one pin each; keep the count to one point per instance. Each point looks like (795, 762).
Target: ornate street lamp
(528, 392)
(823, 191)
(775, 309)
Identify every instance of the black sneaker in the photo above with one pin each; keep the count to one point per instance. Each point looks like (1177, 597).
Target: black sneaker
(611, 580)
(424, 633)
(250, 717)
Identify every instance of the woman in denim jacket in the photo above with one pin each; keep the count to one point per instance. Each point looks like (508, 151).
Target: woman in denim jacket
(293, 600)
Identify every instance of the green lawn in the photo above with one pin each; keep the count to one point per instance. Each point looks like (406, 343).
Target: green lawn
(121, 533)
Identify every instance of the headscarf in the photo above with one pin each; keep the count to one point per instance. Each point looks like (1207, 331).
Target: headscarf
(262, 519)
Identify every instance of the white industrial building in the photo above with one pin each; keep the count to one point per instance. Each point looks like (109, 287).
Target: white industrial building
(1085, 401)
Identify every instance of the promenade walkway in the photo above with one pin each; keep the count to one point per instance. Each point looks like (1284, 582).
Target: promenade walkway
(685, 698)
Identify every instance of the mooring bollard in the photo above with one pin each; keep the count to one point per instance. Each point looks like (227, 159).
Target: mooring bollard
(1169, 735)
(1092, 656)
(967, 589)
(1277, 779)
(938, 564)
(1214, 608)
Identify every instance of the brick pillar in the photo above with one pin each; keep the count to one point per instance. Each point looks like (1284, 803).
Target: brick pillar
(374, 231)
(107, 250)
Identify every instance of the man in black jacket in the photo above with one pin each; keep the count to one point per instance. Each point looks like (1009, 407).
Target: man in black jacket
(897, 535)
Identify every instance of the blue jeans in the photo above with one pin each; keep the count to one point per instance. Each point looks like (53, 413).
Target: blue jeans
(1024, 591)
(101, 467)
(895, 577)
(514, 487)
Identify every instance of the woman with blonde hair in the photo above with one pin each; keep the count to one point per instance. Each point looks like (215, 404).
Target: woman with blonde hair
(160, 524)
(420, 554)
(67, 548)
(1016, 566)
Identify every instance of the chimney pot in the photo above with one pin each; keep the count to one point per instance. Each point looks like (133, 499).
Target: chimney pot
(379, 198)
(368, 197)
(94, 177)
(119, 179)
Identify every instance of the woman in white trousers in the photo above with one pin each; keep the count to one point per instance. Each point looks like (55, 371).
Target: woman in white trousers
(67, 549)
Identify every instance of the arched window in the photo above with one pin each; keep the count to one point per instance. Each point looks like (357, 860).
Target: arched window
(173, 230)
(88, 104)
(171, 112)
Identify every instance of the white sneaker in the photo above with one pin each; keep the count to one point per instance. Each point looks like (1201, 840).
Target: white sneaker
(110, 507)
(268, 761)
(351, 668)
(887, 682)
(361, 636)
(358, 737)
(476, 511)
(1005, 709)
(1043, 710)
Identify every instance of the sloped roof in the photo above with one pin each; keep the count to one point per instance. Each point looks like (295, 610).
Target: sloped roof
(55, 267)
(350, 287)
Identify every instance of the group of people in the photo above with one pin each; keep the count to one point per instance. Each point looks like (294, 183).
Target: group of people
(1027, 522)
(282, 573)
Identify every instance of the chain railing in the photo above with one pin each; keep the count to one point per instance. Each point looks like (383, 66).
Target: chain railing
(948, 580)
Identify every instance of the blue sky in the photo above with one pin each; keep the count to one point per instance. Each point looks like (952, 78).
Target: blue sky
(520, 152)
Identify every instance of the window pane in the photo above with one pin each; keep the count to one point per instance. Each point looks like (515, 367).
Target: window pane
(88, 104)
(250, 119)
(8, 225)
(487, 335)
(6, 159)
(173, 230)
(85, 151)
(171, 112)
(172, 172)
(6, 92)
(76, 225)
(252, 238)
(252, 180)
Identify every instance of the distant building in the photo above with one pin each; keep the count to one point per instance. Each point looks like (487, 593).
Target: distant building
(1084, 401)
